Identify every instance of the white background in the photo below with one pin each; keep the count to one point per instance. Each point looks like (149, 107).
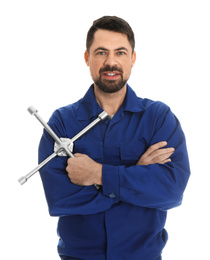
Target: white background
(41, 64)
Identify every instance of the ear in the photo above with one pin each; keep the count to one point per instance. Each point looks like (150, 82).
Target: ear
(133, 58)
(86, 56)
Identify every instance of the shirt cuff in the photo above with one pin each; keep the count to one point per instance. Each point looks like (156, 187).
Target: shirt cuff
(110, 182)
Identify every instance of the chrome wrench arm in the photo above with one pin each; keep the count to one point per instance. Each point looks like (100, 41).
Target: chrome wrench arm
(24, 179)
(62, 145)
(102, 116)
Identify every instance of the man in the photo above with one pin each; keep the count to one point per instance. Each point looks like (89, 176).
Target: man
(138, 156)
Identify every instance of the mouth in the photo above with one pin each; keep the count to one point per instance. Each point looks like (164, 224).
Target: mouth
(111, 75)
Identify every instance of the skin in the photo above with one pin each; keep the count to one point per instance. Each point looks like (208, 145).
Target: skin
(110, 49)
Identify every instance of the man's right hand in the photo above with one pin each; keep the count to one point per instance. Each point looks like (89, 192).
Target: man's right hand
(155, 154)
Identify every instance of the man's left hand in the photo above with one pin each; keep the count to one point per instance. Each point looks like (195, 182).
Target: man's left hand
(84, 171)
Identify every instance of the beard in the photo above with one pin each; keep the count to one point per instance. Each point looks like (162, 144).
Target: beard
(110, 86)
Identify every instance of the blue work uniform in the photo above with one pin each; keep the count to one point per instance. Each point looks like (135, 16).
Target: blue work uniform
(125, 219)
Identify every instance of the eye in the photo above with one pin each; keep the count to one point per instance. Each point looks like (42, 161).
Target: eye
(101, 53)
(121, 53)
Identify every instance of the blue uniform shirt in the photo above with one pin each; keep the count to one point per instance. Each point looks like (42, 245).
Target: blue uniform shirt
(125, 219)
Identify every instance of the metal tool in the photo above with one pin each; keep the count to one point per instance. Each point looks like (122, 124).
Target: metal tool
(62, 146)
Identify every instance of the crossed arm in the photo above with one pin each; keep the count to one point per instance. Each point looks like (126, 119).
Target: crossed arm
(84, 171)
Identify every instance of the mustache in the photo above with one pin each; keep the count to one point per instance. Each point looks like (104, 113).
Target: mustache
(110, 68)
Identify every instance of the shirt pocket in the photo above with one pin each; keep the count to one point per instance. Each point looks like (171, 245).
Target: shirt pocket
(93, 149)
(130, 152)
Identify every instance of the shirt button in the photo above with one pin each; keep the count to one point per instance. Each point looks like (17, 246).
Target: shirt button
(112, 195)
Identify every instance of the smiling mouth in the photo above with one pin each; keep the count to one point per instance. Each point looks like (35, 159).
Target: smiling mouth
(111, 75)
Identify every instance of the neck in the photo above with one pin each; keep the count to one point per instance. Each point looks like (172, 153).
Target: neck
(110, 102)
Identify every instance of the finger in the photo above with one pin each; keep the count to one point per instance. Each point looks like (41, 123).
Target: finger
(161, 152)
(159, 155)
(162, 157)
(155, 147)
(165, 161)
(78, 154)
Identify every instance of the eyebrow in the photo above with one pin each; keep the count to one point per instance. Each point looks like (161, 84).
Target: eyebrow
(104, 49)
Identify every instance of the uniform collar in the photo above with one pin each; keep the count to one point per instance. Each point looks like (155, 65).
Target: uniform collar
(132, 103)
(89, 108)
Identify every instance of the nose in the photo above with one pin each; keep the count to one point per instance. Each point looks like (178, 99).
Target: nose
(110, 60)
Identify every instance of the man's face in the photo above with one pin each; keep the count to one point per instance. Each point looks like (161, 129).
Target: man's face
(110, 59)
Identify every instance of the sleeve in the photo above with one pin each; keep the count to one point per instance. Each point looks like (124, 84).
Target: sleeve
(159, 186)
(63, 197)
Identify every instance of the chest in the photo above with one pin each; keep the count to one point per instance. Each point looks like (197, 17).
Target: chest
(120, 141)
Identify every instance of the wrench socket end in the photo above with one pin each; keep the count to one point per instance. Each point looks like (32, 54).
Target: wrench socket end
(32, 110)
(22, 180)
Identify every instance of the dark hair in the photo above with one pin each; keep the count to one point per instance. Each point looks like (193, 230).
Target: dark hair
(111, 23)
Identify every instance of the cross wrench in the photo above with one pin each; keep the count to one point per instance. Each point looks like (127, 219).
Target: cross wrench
(63, 146)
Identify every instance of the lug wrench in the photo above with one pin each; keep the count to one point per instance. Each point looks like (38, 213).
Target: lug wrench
(63, 146)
